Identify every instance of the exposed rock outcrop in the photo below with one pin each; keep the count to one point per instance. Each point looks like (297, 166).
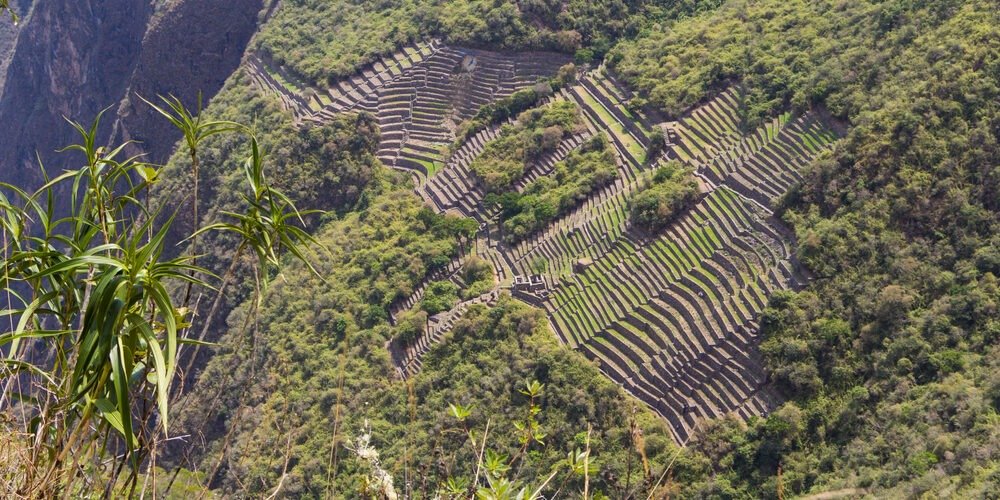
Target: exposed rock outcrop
(75, 57)
(191, 48)
(72, 58)
(8, 34)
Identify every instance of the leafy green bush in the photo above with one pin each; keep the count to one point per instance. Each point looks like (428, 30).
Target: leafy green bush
(440, 296)
(583, 171)
(671, 191)
(536, 132)
(92, 289)
(502, 109)
(409, 326)
(657, 143)
(477, 274)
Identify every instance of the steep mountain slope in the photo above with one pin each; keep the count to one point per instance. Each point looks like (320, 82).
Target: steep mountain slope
(8, 36)
(886, 354)
(820, 316)
(74, 59)
(901, 314)
(195, 64)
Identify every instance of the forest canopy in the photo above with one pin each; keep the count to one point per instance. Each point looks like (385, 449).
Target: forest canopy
(323, 41)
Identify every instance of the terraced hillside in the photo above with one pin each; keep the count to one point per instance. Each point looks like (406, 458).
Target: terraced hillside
(671, 316)
(408, 356)
(419, 95)
(761, 165)
(595, 225)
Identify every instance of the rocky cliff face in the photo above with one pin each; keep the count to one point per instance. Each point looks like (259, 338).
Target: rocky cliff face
(8, 34)
(192, 48)
(73, 58)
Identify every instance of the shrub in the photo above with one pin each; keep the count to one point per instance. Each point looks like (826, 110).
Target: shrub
(584, 171)
(537, 131)
(671, 191)
(440, 296)
(409, 326)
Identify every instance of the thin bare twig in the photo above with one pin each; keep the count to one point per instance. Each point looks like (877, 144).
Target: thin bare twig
(586, 466)
(482, 450)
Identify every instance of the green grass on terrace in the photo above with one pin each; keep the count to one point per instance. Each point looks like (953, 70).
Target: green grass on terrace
(612, 124)
(289, 86)
(599, 84)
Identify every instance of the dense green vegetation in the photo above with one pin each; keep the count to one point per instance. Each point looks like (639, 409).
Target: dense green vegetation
(889, 355)
(477, 277)
(499, 111)
(536, 132)
(440, 296)
(794, 54)
(377, 257)
(573, 179)
(326, 167)
(488, 358)
(409, 325)
(89, 366)
(326, 349)
(889, 359)
(324, 40)
(667, 194)
(513, 105)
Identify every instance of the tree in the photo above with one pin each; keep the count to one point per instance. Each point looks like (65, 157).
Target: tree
(440, 296)
(657, 144)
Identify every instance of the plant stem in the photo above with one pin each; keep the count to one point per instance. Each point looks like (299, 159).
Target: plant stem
(207, 321)
(586, 467)
(196, 221)
(331, 473)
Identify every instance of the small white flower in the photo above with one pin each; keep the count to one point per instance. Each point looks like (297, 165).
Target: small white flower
(379, 477)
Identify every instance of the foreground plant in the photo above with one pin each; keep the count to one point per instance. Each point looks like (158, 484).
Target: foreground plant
(93, 327)
(497, 474)
(5, 7)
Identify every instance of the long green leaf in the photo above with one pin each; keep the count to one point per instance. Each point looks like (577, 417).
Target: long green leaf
(26, 316)
(79, 264)
(162, 380)
(35, 334)
(167, 311)
(113, 417)
(120, 375)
